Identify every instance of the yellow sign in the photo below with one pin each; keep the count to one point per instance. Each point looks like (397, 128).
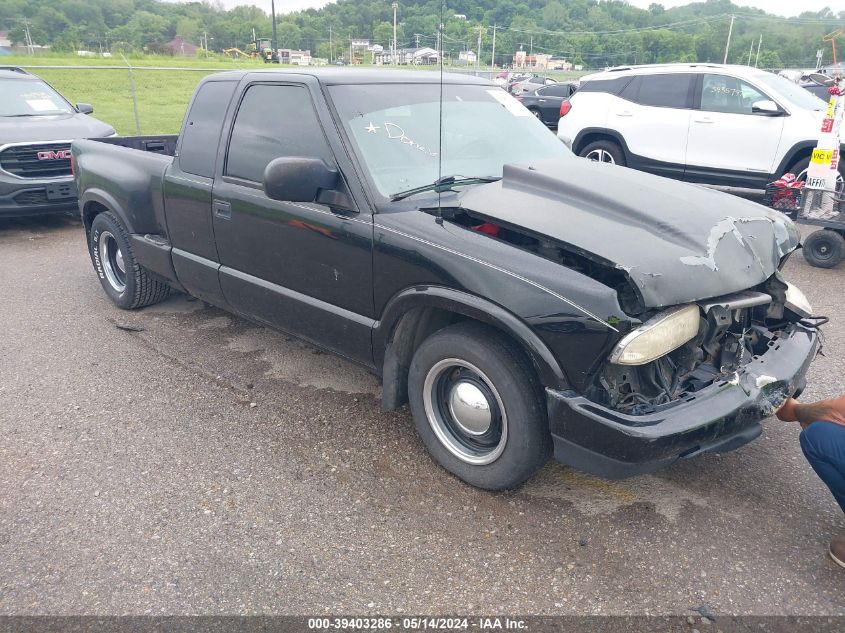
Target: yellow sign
(822, 156)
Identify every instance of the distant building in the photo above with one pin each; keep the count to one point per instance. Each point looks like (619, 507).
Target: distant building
(297, 58)
(467, 58)
(521, 59)
(424, 56)
(5, 43)
(557, 63)
(179, 46)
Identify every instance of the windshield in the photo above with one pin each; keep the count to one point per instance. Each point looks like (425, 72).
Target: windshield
(801, 97)
(395, 128)
(19, 97)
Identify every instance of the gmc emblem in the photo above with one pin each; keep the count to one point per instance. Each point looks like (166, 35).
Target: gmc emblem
(62, 154)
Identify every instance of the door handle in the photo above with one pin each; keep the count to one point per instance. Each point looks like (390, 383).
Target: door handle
(625, 113)
(222, 210)
(704, 120)
(541, 100)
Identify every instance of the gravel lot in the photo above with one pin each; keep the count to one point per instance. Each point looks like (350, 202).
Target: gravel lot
(178, 460)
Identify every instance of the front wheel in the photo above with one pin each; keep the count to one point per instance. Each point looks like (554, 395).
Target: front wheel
(478, 406)
(824, 249)
(126, 283)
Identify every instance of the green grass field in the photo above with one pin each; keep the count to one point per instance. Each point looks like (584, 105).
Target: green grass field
(162, 95)
(163, 85)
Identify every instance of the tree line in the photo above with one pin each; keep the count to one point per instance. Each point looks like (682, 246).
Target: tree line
(594, 33)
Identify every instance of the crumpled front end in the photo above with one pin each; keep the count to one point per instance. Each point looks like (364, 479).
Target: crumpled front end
(720, 417)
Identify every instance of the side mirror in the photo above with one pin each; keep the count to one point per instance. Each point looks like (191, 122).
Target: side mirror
(84, 108)
(295, 179)
(766, 107)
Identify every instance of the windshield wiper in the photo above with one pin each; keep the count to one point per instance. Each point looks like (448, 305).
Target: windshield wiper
(445, 184)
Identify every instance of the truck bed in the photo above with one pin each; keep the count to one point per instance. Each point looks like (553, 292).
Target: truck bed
(161, 144)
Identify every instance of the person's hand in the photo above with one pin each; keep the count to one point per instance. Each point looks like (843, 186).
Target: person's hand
(787, 411)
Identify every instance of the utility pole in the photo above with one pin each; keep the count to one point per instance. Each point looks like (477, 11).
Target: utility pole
(205, 43)
(331, 47)
(728, 45)
(395, 6)
(275, 43)
(30, 47)
(759, 44)
(417, 38)
(750, 53)
(531, 49)
(478, 56)
(493, 56)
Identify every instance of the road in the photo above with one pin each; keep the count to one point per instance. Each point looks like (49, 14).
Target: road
(178, 460)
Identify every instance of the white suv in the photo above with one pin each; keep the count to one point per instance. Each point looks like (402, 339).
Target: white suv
(732, 126)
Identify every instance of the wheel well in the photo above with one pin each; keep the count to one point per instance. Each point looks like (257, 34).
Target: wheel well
(414, 327)
(592, 137)
(801, 154)
(91, 211)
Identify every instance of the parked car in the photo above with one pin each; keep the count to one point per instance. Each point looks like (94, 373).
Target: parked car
(521, 85)
(37, 125)
(544, 103)
(538, 303)
(822, 92)
(733, 126)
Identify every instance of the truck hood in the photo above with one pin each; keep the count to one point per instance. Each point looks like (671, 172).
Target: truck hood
(60, 127)
(677, 242)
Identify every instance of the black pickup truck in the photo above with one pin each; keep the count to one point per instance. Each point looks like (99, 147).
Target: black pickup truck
(522, 300)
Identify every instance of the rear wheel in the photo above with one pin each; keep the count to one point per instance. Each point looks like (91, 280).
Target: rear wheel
(478, 407)
(536, 112)
(604, 151)
(126, 283)
(824, 249)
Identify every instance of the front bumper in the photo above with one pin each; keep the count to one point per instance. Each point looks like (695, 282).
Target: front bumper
(28, 196)
(719, 418)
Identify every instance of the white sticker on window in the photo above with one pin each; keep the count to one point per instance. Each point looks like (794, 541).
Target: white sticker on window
(511, 104)
(42, 105)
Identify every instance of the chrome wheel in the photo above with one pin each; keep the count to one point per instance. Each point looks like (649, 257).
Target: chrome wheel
(465, 411)
(600, 156)
(111, 259)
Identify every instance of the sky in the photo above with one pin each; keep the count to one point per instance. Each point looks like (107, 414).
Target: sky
(779, 7)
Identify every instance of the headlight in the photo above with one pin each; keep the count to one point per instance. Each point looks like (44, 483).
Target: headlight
(658, 336)
(797, 302)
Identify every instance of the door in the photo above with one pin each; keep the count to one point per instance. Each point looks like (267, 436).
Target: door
(305, 268)
(187, 188)
(729, 144)
(652, 114)
(549, 99)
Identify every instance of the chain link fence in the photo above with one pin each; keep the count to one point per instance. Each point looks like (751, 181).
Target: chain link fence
(134, 100)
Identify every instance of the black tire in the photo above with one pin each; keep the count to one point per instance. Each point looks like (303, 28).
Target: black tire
(505, 374)
(824, 249)
(605, 148)
(128, 287)
(536, 112)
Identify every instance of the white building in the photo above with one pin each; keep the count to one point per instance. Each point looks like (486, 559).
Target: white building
(424, 56)
(467, 57)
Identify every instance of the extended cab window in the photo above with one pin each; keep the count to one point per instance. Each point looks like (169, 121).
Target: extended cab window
(720, 93)
(662, 91)
(198, 145)
(272, 122)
